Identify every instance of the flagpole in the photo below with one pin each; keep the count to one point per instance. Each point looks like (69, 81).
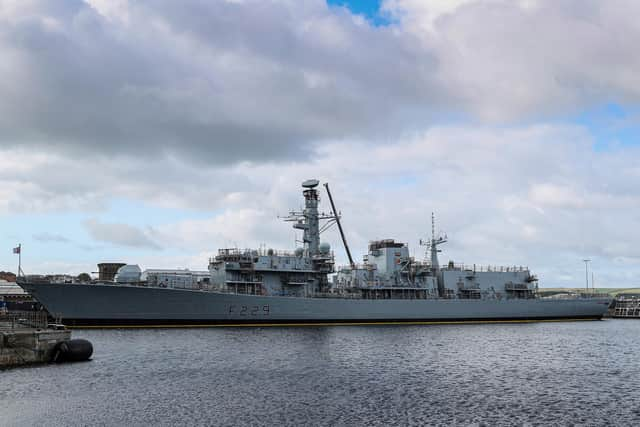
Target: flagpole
(19, 259)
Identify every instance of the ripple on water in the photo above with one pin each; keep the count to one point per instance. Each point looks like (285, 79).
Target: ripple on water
(547, 373)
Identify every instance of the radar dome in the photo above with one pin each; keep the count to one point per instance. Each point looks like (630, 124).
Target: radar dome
(299, 252)
(310, 183)
(128, 274)
(324, 248)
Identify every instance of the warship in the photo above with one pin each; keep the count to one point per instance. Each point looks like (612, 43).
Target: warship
(269, 287)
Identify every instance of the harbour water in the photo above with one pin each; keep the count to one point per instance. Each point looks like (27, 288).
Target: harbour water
(580, 373)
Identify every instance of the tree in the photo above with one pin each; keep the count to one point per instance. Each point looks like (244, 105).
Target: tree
(84, 277)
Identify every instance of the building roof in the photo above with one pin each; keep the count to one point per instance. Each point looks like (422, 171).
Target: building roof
(10, 288)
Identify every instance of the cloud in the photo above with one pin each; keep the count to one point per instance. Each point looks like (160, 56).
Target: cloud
(554, 195)
(120, 235)
(217, 82)
(418, 16)
(50, 237)
(242, 227)
(519, 195)
(225, 107)
(60, 267)
(537, 195)
(226, 82)
(510, 60)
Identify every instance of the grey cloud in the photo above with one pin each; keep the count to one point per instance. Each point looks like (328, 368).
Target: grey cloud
(218, 82)
(50, 237)
(227, 106)
(120, 234)
(226, 82)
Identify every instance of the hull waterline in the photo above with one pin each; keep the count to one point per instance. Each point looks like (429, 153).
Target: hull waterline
(97, 305)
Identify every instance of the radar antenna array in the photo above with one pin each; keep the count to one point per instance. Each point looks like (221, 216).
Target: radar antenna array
(308, 219)
(433, 243)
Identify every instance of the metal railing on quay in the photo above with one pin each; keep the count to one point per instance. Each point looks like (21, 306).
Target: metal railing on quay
(23, 320)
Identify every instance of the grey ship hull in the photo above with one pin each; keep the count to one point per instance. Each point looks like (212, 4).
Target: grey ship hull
(123, 305)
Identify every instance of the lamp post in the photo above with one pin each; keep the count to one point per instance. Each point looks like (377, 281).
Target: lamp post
(586, 272)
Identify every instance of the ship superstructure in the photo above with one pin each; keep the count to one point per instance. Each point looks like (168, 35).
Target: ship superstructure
(388, 271)
(270, 272)
(263, 286)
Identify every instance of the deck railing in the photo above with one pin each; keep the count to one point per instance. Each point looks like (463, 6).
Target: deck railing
(450, 266)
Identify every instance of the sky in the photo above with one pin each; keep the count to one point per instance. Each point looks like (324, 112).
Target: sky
(154, 132)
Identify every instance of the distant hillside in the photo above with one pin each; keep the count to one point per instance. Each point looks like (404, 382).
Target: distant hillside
(8, 276)
(610, 291)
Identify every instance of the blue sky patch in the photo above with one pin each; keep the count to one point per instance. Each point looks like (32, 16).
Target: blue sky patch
(611, 125)
(370, 9)
(53, 237)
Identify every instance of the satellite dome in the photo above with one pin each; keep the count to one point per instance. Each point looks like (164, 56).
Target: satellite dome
(324, 248)
(128, 274)
(299, 252)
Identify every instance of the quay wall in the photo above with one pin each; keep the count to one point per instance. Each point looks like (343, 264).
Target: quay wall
(25, 347)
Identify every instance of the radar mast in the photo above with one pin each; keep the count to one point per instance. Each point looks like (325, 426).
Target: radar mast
(308, 220)
(433, 243)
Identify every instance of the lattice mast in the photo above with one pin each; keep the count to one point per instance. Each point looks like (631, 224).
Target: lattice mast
(433, 243)
(308, 220)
